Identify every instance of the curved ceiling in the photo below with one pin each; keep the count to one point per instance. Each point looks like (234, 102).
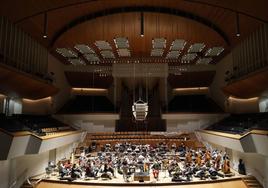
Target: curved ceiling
(128, 25)
(82, 21)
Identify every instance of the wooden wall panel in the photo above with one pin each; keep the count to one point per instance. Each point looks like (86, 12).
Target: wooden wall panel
(18, 84)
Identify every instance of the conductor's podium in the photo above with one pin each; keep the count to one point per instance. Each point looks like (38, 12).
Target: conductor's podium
(141, 176)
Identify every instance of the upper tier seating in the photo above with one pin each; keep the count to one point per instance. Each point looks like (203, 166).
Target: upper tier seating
(193, 103)
(40, 125)
(85, 104)
(241, 123)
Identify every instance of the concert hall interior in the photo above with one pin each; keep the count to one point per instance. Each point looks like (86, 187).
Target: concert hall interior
(134, 93)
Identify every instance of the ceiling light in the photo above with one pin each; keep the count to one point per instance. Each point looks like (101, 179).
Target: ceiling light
(142, 25)
(45, 26)
(237, 25)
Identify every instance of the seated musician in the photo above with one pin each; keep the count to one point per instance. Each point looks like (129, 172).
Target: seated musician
(140, 163)
(226, 166)
(156, 167)
(62, 170)
(76, 172)
(89, 170)
(198, 158)
(172, 167)
(218, 161)
(105, 171)
(188, 157)
(207, 156)
(125, 168)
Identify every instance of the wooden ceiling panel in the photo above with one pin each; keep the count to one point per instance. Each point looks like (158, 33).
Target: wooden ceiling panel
(60, 13)
(128, 25)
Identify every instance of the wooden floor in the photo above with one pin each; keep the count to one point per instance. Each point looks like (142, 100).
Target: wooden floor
(223, 184)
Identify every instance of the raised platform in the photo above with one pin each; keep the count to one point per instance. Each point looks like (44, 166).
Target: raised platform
(164, 180)
(236, 182)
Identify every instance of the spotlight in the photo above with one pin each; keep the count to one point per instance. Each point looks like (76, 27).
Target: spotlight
(45, 26)
(142, 25)
(237, 25)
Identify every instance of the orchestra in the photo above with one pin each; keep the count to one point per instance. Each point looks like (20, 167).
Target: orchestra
(128, 160)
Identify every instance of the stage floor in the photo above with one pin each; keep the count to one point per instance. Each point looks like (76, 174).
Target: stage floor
(237, 183)
(164, 179)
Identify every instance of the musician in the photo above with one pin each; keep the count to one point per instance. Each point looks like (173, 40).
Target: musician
(125, 170)
(76, 172)
(188, 157)
(218, 161)
(156, 167)
(62, 170)
(207, 156)
(226, 166)
(89, 170)
(140, 163)
(198, 158)
(241, 167)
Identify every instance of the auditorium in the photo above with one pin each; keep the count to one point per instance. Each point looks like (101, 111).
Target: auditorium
(134, 93)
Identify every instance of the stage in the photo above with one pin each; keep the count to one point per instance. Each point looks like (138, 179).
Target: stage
(224, 183)
(164, 180)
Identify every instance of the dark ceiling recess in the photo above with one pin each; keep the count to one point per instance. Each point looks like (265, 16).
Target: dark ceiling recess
(191, 79)
(88, 80)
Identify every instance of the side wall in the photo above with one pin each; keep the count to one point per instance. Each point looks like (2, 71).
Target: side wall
(15, 171)
(256, 164)
(231, 106)
(50, 104)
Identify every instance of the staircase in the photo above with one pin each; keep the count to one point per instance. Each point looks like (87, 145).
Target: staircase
(252, 182)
